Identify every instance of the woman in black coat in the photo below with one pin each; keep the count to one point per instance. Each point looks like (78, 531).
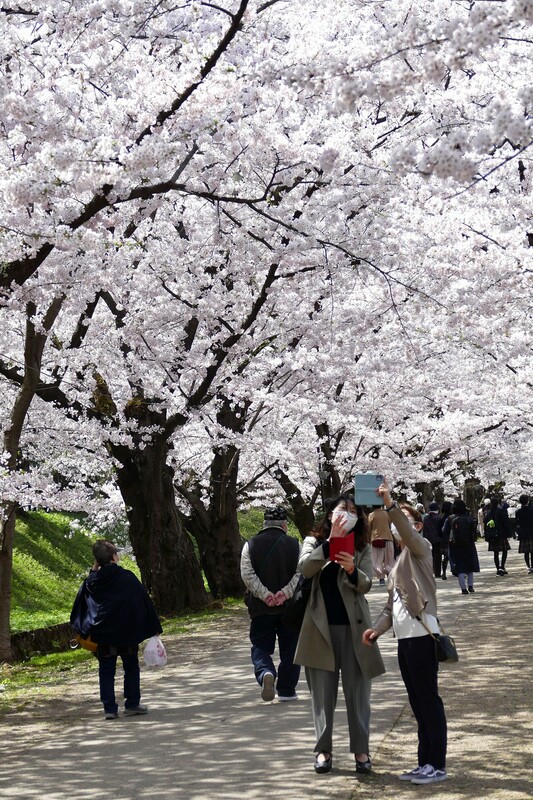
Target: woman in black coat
(524, 526)
(461, 530)
(497, 532)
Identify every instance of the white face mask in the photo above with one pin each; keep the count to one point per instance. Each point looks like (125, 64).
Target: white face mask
(346, 518)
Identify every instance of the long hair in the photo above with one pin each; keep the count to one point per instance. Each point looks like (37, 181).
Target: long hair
(361, 529)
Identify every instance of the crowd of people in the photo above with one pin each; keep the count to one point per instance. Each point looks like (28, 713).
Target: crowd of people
(404, 546)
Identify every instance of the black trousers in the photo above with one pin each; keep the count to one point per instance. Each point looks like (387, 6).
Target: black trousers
(419, 667)
(436, 550)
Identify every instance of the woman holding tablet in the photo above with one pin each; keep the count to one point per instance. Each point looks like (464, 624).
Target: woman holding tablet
(337, 557)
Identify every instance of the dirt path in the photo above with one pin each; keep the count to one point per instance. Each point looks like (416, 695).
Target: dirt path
(208, 733)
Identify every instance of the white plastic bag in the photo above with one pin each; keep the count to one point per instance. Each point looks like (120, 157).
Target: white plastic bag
(154, 653)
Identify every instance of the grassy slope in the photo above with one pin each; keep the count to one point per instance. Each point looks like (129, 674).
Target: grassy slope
(51, 559)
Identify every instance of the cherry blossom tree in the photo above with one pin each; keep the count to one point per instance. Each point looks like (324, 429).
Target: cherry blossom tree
(271, 234)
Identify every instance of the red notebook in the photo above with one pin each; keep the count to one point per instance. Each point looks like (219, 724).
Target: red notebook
(345, 544)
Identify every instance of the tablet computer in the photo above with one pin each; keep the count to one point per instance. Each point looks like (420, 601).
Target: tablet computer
(344, 544)
(365, 485)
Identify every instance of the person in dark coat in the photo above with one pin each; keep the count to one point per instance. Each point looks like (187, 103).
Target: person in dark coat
(432, 532)
(524, 527)
(497, 533)
(114, 609)
(446, 510)
(460, 530)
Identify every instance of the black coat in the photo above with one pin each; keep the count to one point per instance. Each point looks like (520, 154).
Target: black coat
(113, 607)
(524, 522)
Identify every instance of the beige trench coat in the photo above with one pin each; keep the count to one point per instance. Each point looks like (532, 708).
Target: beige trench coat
(314, 647)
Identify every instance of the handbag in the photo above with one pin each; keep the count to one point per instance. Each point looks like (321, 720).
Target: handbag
(445, 648)
(379, 543)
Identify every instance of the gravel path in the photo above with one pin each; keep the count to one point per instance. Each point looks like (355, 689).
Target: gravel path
(209, 735)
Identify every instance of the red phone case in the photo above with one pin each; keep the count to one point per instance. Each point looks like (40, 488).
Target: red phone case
(339, 544)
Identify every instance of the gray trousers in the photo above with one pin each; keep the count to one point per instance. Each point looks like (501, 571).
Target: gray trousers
(324, 687)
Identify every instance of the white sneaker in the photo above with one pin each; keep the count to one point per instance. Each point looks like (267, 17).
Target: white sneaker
(283, 698)
(408, 776)
(267, 687)
(429, 774)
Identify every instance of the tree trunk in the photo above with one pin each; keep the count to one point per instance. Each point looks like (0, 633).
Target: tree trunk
(7, 535)
(163, 549)
(303, 512)
(34, 344)
(215, 526)
(220, 548)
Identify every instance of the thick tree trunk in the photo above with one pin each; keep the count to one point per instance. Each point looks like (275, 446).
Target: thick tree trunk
(163, 549)
(215, 525)
(7, 535)
(219, 541)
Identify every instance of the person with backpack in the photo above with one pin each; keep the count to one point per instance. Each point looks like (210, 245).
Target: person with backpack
(114, 609)
(461, 531)
(497, 532)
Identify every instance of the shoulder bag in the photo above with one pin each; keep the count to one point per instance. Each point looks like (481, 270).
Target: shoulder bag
(445, 648)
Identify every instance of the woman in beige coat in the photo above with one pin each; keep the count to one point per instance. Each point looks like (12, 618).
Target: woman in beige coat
(411, 610)
(330, 639)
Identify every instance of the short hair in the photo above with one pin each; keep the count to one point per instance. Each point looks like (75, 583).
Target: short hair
(524, 499)
(413, 512)
(104, 552)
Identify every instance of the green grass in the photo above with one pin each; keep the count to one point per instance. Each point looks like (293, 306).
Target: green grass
(50, 560)
(251, 522)
(51, 557)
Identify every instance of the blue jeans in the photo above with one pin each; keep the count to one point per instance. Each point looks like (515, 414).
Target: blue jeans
(107, 665)
(419, 666)
(263, 632)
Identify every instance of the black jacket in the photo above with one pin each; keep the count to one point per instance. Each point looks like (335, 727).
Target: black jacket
(524, 522)
(113, 607)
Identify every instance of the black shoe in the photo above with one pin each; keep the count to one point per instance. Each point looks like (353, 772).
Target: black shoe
(444, 578)
(363, 767)
(323, 766)
(464, 591)
(504, 571)
(471, 589)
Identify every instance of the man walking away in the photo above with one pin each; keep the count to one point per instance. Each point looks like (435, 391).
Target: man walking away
(268, 568)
